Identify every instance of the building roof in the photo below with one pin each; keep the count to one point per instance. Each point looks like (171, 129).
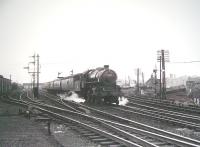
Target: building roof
(151, 82)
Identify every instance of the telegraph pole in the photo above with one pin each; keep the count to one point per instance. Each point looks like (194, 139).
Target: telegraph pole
(38, 71)
(142, 78)
(10, 82)
(163, 73)
(34, 74)
(160, 78)
(162, 57)
(155, 75)
(129, 81)
(138, 81)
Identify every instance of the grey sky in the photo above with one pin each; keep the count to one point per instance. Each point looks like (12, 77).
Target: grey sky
(72, 34)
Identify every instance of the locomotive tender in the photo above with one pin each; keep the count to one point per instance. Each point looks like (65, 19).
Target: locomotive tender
(95, 85)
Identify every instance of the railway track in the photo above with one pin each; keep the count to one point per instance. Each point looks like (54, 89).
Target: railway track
(105, 116)
(165, 105)
(142, 137)
(124, 121)
(94, 129)
(179, 119)
(54, 100)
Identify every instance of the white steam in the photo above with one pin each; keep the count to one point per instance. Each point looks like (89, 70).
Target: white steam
(72, 97)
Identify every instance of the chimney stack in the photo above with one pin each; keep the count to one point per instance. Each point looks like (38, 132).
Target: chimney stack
(106, 66)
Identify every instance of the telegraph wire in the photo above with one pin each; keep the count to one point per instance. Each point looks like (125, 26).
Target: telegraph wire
(186, 62)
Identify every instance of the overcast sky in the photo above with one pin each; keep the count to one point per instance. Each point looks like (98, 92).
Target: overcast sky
(78, 35)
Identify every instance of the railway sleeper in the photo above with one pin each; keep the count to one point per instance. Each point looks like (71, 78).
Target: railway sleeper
(85, 131)
(107, 143)
(147, 138)
(157, 142)
(89, 134)
(161, 143)
(99, 139)
(94, 136)
(117, 145)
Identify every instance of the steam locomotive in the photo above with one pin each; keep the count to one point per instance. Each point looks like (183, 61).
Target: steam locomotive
(95, 85)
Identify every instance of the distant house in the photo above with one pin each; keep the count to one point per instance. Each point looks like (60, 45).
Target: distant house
(151, 83)
(174, 82)
(126, 84)
(193, 89)
(27, 85)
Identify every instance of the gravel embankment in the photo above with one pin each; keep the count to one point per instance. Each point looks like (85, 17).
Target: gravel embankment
(16, 130)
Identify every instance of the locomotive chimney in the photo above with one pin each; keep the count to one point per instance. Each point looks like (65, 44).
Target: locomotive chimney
(106, 66)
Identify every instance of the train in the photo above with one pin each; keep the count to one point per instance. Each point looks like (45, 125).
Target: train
(5, 85)
(96, 86)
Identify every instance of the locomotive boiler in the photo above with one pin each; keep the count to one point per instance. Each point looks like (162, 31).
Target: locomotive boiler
(95, 85)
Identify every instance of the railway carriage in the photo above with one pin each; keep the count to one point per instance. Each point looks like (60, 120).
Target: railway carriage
(56, 85)
(5, 85)
(95, 85)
